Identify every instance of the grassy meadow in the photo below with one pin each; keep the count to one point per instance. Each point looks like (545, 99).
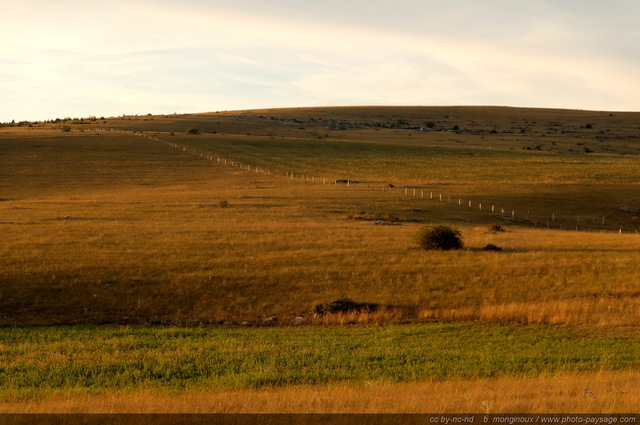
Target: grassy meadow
(109, 228)
(143, 363)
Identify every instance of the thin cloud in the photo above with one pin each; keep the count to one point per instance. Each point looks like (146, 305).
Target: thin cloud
(92, 58)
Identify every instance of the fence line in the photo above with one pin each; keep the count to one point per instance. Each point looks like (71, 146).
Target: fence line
(548, 222)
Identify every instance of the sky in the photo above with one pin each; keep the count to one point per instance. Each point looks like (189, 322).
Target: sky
(80, 58)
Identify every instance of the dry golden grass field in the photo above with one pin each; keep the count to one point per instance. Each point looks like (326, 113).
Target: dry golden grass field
(614, 393)
(243, 225)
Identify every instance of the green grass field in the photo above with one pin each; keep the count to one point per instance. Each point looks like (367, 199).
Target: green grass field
(395, 162)
(99, 360)
(108, 228)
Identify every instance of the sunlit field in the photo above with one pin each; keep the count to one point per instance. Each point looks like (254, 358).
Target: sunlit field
(158, 236)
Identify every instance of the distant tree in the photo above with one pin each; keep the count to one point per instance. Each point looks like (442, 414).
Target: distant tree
(192, 130)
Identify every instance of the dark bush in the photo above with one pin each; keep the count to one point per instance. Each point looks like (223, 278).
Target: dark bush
(496, 228)
(344, 305)
(439, 237)
(492, 247)
(192, 130)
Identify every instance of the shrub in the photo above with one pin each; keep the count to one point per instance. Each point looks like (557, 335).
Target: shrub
(65, 128)
(344, 305)
(223, 203)
(496, 228)
(492, 247)
(192, 130)
(439, 237)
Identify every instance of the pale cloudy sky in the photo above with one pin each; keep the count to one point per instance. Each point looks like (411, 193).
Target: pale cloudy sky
(94, 57)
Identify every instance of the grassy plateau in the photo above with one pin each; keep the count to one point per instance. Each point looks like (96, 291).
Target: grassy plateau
(180, 271)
